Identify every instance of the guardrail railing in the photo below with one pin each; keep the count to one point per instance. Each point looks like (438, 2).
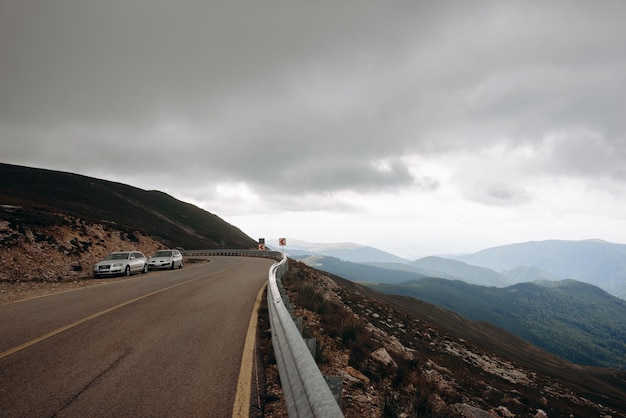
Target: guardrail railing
(307, 393)
(245, 253)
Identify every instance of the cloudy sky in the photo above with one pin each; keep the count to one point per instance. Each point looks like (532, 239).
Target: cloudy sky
(416, 127)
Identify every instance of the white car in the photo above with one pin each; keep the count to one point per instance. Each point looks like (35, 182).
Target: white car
(165, 259)
(121, 263)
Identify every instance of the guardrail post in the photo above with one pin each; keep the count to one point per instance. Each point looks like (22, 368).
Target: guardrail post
(335, 383)
(311, 343)
(298, 321)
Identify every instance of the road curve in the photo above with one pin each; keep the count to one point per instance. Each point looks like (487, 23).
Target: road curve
(163, 344)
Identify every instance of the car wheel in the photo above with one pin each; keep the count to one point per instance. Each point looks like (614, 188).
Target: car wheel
(127, 271)
(181, 264)
(145, 269)
(173, 264)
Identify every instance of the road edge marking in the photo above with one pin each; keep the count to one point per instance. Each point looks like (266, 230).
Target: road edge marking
(241, 407)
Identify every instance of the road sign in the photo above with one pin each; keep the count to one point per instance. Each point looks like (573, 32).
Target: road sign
(282, 241)
(261, 247)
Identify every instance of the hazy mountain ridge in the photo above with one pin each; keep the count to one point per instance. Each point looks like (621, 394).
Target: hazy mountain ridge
(390, 272)
(463, 271)
(359, 272)
(523, 274)
(381, 272)
(597, 262)
(347, 251)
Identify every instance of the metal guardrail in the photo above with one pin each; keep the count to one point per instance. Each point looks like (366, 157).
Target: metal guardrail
(306, 392)
(277, 255)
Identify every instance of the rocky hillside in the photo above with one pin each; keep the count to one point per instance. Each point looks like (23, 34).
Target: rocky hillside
(405, 358)
(60, 248)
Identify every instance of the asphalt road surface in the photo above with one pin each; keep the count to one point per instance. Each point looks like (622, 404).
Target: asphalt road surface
(164, 344)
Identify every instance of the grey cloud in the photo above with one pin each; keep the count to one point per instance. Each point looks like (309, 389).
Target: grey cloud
(310, 95)
(585, 154)
(505, 194)
(340, 173)
(311, 202)
(120, 61)
(497, 193)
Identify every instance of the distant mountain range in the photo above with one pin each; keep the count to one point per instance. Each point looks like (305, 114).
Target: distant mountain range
(596, 262)
(345, 251)
(359, 272)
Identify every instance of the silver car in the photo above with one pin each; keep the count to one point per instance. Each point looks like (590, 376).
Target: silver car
(121, 263)
(165, 259)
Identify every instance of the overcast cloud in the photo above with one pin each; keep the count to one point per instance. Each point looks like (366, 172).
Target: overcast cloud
(416, 127)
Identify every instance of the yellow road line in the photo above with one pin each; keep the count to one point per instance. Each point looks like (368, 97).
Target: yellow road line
(90, 317)
(241, 407)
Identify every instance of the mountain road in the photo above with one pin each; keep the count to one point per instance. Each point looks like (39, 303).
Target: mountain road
(159, 344)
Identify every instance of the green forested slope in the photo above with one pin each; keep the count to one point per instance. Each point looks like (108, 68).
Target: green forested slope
(576, 321)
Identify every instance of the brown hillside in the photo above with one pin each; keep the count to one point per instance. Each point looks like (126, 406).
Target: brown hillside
(61, 248)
